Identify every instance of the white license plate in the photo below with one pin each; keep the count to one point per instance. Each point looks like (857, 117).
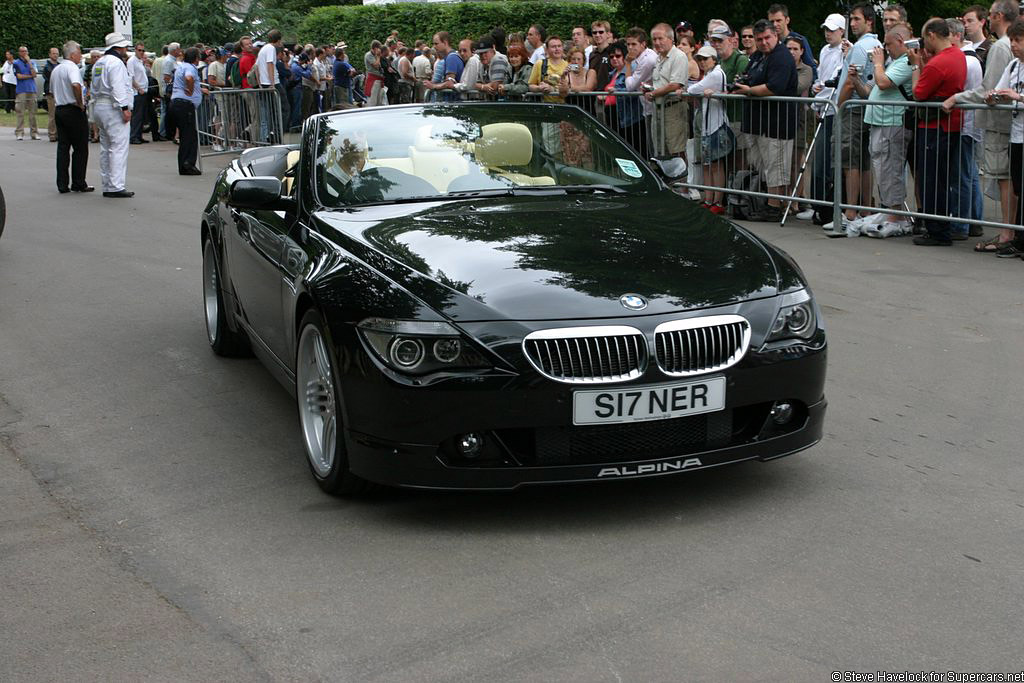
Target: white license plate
(639, 404)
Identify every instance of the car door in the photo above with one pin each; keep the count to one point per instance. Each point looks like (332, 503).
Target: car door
(256, 245)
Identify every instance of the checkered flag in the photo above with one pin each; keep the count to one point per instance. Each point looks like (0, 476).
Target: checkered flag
(123, 18)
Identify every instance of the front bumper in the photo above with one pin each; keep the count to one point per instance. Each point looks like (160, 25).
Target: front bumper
(405, 436)
(421, 467)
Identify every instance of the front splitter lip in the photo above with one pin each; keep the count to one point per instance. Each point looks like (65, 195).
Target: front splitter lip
(417, 472)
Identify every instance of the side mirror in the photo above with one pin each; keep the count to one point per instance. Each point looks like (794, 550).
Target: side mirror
(261, 192)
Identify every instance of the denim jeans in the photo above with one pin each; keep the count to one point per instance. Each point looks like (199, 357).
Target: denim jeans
(933, 151)
(966, 200)
(295, 109)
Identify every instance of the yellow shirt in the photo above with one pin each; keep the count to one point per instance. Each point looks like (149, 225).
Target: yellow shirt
(553, 77)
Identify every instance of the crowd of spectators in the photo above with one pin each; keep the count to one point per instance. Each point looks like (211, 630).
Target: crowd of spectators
(661, 89)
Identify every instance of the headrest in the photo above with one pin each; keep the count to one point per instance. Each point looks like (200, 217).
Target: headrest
(504, 144)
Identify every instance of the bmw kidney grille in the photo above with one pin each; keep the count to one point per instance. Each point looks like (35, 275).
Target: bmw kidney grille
(588, 355)
(699, 345)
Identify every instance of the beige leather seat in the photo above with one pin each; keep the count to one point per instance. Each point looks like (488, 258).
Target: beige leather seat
(435, 162)
(504, 145)
(290, 163)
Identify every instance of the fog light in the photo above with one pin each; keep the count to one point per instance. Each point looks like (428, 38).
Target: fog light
(782, 412)
(470, 445)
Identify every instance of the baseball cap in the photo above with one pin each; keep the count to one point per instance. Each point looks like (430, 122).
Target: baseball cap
(707, 51)
(834, 21)
(221, 52)
(720, 32)
(684, 26)
(259, 43)
(340, 46)
(485, 44)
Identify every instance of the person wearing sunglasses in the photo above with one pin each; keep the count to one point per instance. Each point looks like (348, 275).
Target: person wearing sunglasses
(747, 44)
(601, 37)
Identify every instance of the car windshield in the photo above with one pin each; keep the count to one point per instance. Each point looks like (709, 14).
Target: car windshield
(438, 151)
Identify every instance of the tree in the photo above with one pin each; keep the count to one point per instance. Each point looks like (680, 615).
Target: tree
(211, 22)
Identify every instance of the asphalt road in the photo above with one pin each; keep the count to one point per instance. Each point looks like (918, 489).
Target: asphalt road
(157, 520)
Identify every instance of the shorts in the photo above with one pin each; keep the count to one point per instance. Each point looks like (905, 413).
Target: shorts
(995, 159)
(671, 128)
(775, 160)
(853, 142)
(743, 140)
(888, 157)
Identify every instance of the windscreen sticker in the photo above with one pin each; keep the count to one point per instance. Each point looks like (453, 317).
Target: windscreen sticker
(629, 167)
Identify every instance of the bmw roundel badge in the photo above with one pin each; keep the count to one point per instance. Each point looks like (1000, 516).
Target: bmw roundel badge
(633, 302)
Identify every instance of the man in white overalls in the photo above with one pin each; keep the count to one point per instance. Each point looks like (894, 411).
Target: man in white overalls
(113, 96)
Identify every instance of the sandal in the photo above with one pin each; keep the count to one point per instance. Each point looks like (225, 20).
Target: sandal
(989, 246)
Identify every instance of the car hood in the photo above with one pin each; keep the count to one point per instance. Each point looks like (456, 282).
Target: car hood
(564, 257)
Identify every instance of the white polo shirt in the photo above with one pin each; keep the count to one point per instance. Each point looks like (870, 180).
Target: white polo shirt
(63, 77)
(267, 55)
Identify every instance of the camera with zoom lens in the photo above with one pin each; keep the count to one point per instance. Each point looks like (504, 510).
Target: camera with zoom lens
(741, 79)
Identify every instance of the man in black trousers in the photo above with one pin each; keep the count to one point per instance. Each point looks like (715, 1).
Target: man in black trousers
(72, 123)
(186, 96)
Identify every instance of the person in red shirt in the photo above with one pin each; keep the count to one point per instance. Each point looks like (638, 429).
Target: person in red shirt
(942, 75)
(246, 61)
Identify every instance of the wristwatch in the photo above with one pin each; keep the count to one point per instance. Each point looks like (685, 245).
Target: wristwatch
(915, 67)
(124, 108)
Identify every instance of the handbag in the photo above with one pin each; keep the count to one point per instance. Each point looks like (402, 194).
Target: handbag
(719, 143)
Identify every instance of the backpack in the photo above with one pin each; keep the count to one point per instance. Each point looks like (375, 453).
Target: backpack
(253, 76)
(745, 206)
(234, 75)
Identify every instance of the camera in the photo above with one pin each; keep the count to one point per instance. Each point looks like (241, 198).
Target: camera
(741, 79)
(912, 43)
(574, 67)
(831, 83)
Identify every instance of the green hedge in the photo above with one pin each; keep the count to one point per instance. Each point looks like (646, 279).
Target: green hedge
(359, 25)
(42, 24)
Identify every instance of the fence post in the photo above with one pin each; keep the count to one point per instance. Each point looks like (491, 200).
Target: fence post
(837, 167)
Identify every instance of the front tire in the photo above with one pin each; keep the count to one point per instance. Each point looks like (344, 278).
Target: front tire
(223, 340)
(320, 414)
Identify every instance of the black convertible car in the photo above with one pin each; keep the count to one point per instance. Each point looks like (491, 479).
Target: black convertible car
(481, 296)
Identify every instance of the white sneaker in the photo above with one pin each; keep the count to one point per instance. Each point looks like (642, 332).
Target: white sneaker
(19, 137)
(886, 229)
(805, 215)
(889, 229)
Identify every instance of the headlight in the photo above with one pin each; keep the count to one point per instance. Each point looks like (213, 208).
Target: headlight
(419, 348)
(796, 319)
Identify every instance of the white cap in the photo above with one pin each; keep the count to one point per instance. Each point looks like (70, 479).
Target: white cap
(116, 40)
(834, 21)
(707, 51)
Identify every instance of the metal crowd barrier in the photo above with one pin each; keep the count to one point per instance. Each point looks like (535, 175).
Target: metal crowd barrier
(230, 121)
(938, 173)
(796, 150)
(828, 142)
